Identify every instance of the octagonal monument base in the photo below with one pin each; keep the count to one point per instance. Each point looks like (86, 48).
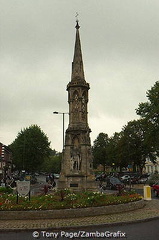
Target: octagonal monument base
(76, 182)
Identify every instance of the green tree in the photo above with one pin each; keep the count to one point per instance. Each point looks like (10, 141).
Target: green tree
(30, 148)
(114, 150)
(149, 111)
(52, 164)
(99, 150)
(134, 148)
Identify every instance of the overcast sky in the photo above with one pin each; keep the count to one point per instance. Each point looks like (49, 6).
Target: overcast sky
(120, 45)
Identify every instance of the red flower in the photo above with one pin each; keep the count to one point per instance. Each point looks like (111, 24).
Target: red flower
(1, 203)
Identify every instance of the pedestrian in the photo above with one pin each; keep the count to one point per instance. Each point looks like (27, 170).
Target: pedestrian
(46, 189)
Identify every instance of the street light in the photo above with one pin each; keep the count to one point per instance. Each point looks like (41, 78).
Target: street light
(63, 114)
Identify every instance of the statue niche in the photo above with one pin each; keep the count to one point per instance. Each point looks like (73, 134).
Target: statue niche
(75, 155)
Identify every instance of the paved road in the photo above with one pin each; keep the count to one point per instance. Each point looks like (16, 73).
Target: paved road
(136, 231)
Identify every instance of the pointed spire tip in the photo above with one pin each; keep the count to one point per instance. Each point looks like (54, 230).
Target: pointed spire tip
(77, 25)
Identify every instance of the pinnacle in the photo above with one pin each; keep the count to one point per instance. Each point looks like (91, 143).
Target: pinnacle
(77, 25)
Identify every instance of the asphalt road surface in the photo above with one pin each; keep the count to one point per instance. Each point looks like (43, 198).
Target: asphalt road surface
(136, 231)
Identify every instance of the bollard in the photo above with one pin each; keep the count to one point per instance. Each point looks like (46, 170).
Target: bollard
(147, 193)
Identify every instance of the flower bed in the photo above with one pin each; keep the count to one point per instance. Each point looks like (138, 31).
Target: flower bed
(65, 200)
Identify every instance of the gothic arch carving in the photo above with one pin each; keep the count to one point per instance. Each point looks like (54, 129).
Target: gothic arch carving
(75, 95)
(83, 105)
(75, 106)
(75, 141)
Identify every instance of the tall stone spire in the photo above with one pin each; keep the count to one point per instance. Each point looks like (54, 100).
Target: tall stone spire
(77, 163)
(77, 64)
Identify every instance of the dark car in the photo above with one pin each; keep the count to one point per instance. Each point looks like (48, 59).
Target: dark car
(155, 188)
(101, 177)
(114, 183)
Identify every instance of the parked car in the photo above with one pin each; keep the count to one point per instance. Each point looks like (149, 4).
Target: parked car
(134, 179)
(125, 178)
(56, 175)
(153, 178)
(155, 188)
(144, 178)
(36, 174)
(113, 183)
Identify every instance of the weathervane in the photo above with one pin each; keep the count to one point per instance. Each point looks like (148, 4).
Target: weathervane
(76, 16)
(77, 25)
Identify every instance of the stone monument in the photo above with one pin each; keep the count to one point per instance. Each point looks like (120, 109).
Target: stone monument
(77, 162)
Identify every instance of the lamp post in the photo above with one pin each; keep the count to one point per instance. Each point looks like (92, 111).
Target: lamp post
(63, 123)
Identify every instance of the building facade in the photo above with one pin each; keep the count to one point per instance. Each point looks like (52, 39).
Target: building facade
(151, 167)
(77, 165)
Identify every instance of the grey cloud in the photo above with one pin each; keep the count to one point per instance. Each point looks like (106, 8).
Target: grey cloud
(120, 44)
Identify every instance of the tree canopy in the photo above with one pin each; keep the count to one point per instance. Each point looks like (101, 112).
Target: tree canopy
(30, 148)
(100, 149)
(115, 151)
(135, 149)
(53, 163)
(138, 140)
(149, 111)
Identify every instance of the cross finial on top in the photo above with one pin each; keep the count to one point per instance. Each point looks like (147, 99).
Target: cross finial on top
(76, 16)
(77, 25)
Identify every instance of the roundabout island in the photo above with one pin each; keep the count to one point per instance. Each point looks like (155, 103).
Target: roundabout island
(32, 215)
